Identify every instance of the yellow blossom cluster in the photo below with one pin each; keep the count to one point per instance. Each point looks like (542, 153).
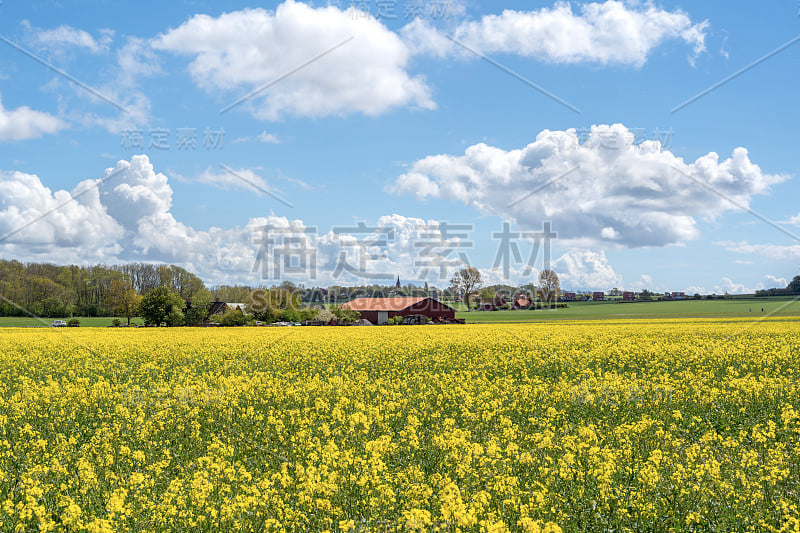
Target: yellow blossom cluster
(662, 425)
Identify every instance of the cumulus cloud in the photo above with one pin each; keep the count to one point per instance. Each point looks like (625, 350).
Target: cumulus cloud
(773, 281)
(613, 32)
(133, 190)
(607, 192)
(242, 51)
(126, 215)
(35, 220)
(26, 123)
(586, 270)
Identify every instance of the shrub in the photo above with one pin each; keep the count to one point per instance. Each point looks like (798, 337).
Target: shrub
(73, 322)
(116, 322)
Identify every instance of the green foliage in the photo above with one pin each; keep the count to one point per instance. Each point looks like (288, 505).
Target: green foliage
(794, 286)
(175, 317)
(279, 305)
(161, 305)
(198, 309)
(116, 322)
(124, 299)
(232, 317)
(344, 314)
(397, 320)
(48, 290)
(73, 322)
(465, 283)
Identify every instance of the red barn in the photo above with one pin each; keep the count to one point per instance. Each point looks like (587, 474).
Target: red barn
(598, 296)
(628, 296)
(569, 296)
(380, 310)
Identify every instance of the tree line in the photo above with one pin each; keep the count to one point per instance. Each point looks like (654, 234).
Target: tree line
(47, 290)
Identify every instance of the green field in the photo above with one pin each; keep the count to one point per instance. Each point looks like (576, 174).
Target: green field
(29, 322)
(670, 309)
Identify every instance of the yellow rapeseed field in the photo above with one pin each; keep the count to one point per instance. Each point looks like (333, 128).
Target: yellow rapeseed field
(602, 426)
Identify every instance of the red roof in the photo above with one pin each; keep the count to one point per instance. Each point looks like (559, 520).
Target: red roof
(383, 304)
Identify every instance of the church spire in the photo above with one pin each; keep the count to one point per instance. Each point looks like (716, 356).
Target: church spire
(398, 282)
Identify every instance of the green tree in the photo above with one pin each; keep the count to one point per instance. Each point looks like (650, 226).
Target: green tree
(549, 285)
(160, 304)
(201, 300)
(794, 286)
(344, 314)
(278, 304)
(465, 283)
(124, 299)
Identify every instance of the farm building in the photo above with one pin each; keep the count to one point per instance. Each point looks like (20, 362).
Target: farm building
(628, 296)
(598, 296)
(380, 310)
(218, 307)
(569, 296)
(522, 302)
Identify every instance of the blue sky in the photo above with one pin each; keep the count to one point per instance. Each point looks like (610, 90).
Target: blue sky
(377, 116)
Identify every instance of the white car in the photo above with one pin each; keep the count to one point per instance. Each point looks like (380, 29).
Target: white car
(59, 324)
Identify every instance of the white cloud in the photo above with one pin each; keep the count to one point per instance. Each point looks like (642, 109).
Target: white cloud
(613, 32)
(126, 215)
(136, 61)
(237, 179)
(768, 251)
(25, 123)
(133, 190)
(731, 287)
(795, 220)
(263, 137)
(773, 281)
(606, 192)
(56, 39)
(727, 285)
(609, 233)
(34, 218)
(586, 270)
(268, 138)
(242, 51)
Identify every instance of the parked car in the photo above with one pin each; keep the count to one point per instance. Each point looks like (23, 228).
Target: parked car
(58, 324)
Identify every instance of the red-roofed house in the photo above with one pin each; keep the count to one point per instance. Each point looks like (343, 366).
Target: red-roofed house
(522, 302)
(380, 310)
